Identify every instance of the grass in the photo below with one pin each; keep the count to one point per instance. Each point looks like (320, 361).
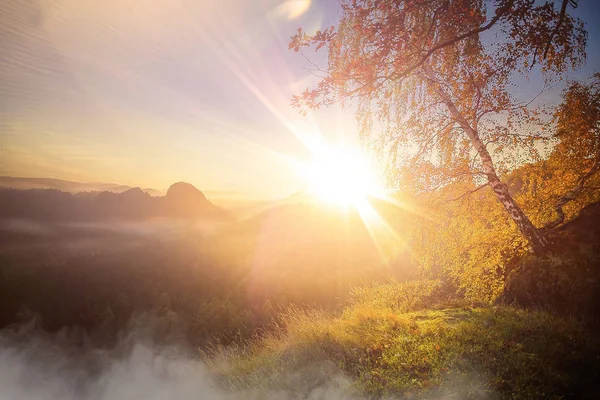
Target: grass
(401, 348)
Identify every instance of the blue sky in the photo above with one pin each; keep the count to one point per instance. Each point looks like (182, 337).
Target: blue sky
(149, 93)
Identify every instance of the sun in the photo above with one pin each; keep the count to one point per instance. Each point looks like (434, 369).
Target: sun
(342, 176)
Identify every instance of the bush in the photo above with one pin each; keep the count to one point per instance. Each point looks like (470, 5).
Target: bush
(408, 296)
(568, 284)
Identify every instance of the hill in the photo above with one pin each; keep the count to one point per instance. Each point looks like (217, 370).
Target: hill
(11, 182)
(236, 202)
(181, 201)
(404, 341)
(412, 340)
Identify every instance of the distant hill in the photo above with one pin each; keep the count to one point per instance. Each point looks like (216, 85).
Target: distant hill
(236, 202)
(67, 186)
(181, 201)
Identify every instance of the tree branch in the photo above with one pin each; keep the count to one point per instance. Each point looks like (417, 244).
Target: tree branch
(570, 196)
(500, 12)
(561, 18)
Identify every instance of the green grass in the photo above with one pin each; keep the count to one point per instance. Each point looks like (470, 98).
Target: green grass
(397, 348)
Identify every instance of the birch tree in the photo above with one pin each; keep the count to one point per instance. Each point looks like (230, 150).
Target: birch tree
(434, 83)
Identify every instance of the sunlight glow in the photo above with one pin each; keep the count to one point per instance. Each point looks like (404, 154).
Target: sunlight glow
(342, 176)
(293, 9)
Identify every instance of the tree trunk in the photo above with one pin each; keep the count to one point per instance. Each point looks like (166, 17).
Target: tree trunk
(537, 240)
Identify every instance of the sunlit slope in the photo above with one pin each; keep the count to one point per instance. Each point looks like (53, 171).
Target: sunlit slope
(397, 340)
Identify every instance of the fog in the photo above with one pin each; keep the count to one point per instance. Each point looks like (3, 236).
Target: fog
(22, 236)
(40, 366)
(124, 304)
(36, 365)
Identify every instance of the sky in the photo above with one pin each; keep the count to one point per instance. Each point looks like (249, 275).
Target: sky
(152, 92)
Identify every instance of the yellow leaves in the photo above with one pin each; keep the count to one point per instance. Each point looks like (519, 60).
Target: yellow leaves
(378, 43)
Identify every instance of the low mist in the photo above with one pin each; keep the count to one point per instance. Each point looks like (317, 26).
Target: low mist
(40, 366)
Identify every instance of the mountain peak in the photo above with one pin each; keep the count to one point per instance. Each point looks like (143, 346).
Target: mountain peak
(184, 190)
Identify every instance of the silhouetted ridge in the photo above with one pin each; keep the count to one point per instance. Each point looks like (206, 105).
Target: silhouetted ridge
(182, 201)
(185, 191)
(11, 182)
(135, 194)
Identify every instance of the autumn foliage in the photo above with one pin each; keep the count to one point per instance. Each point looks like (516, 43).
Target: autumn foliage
(434, 84)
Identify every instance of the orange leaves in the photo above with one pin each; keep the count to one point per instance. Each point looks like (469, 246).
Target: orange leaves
(421, 71)
(299, 40)
(320, 38)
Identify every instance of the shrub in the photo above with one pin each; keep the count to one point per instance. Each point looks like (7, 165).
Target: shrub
(407, 296)
(568, 283)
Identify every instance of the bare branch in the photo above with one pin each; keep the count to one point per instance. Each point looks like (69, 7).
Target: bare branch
(317, 68)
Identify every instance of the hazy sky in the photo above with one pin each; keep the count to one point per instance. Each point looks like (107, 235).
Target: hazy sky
(150, 92)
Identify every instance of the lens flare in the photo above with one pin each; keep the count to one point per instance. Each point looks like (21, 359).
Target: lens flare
(342, 176)
(293, 9)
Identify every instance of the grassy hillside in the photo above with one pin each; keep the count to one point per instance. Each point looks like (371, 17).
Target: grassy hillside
(402, 339)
